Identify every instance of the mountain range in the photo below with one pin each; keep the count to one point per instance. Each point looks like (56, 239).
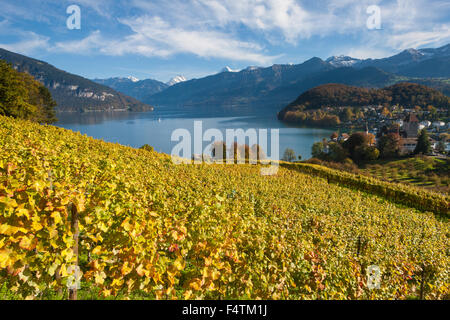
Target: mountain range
(138, 89)
(410, 62)
(72, 92)
(247, 91)
(278, 85)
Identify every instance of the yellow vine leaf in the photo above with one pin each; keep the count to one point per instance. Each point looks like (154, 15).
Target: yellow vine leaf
(56, 216)
(4, 258)
(28, 242)
(10, 230)
(126, 269)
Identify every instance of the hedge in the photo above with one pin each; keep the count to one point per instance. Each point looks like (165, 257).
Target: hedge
(410, 196)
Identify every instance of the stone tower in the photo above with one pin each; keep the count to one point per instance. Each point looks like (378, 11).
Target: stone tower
(411, 126)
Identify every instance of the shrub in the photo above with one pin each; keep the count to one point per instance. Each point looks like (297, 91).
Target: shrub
(407, 195)
(366, 153)
(147, 147)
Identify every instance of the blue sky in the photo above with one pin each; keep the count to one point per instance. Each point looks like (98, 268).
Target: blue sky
(160, 39)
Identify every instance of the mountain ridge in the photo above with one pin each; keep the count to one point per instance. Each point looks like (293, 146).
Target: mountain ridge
(133, 87)
(72, 92)
(274, 86)
(410, 62)
(252, 88)
(175, 80)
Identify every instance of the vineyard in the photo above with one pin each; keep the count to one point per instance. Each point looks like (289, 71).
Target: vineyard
(140, 227)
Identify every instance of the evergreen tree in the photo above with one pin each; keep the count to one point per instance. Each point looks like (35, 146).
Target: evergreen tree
(423, 143)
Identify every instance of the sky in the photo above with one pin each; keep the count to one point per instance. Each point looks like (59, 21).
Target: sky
(160, 39)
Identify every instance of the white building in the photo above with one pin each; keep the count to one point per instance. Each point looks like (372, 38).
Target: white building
(438, 124)
(425, 123)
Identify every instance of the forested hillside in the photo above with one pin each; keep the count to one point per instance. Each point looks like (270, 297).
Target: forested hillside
(312, 103)
(404, 94)
(72, 92)
(23, 97)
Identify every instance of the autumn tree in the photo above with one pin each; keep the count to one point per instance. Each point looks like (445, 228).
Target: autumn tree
(336, 152)
(257, 152)
(366, 153)
(385, 112)
(23, 97)
(356, 139)
(347, 114)
(334, 136)
(389, 145)
(289, 155)
(219, 151)
(318, 150)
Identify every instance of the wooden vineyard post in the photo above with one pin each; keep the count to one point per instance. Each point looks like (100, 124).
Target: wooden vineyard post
(58, 270)
(73, 294)
(422, 285)
(58, 278)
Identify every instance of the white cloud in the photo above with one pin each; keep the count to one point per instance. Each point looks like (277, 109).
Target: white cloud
(153, 36)
(30, 43)
(291, 21)
(365, 53)
(87, 45)
(405, 24)
(203, 43)
(241, 30)
(289, 18)
(417, 39)
(102, 8)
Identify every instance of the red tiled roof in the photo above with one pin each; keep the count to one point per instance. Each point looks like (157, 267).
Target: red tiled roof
(411, 118)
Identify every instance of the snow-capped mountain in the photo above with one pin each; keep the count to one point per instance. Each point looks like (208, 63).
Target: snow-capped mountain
(436, 53)
(129, 79)
(138, 89)
(228, 69)
(342, 61)
(133, 79)
(176, 80)
(407, 59)
(252, 68)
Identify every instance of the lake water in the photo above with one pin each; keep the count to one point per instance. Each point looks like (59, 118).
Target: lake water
(155, 128)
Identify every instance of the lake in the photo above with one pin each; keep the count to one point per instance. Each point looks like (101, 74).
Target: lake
(155, 128)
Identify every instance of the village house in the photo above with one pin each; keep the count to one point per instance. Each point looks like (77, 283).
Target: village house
(343, 137)
(407, 145)
(410, 131)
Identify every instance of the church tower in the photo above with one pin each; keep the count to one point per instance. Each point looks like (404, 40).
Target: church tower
(411, 126)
